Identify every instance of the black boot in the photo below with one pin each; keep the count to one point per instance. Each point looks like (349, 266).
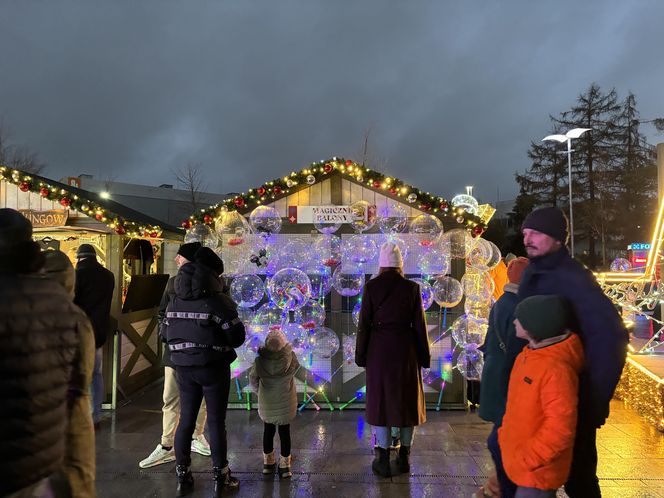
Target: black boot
(223, 481)
(185, 480)
(381, 464)
(403, 459)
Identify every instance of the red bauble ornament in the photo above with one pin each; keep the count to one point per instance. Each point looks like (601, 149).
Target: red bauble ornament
(120, 230)
(477, 231)
(24, 186)
(444, 206)
(239, 202)
(276, 189)
(261, 191)
(65, 201)
(154, 235)
(349, 162)
(393, 191)
(98, 216)
(44, 192)
(327, 167)
(186, 224)
(376, 184)
(207, 219)
(426, 207)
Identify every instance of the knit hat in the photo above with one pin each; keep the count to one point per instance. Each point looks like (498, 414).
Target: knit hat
(275, 340)
(515, 269)
(390, 256)
(209, 258)
(543, 317)
(59, 268)
(14, 228)
(188, 250)
(549, 220)
(86, 251)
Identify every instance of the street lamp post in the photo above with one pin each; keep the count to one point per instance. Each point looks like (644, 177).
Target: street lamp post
(567, 137)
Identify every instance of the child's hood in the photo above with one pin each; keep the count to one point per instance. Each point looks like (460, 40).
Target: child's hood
(569, 351)
(276, 363)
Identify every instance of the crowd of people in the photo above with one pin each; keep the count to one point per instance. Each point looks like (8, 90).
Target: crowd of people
(554, 352)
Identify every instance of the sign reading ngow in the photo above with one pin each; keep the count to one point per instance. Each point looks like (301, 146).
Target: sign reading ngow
(41, 219)
(329, 214)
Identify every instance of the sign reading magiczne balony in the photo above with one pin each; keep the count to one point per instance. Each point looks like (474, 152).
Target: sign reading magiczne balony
(330, 214)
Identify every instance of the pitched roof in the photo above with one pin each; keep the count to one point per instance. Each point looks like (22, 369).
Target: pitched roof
(118, 217)
(388, 186)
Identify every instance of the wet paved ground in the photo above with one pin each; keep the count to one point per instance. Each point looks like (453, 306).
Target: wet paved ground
(333, 456)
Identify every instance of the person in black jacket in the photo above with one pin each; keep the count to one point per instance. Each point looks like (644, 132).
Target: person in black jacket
(94, 294)
(553, 271)
(164, 452)
(202, 328)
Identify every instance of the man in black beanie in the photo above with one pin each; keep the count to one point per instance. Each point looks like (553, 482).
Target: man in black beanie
(164, 452)
(553, 271)
(41, 332)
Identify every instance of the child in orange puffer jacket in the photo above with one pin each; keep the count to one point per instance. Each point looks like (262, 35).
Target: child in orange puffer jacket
(537, 435)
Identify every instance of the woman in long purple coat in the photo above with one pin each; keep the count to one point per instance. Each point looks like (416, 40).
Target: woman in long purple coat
(393, 346)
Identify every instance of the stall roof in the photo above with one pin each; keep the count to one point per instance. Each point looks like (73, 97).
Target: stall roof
(316, 172)
(118, 217)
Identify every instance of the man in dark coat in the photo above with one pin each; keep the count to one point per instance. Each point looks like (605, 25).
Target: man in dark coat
(392, 344)
(164, 451)
(553, 271)
(40, 337)
(94, 294)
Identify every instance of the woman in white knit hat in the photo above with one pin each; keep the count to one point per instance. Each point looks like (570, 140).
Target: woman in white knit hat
(393, 346)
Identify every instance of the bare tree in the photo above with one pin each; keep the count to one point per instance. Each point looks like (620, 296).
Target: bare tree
(18, 156)
(190, 179)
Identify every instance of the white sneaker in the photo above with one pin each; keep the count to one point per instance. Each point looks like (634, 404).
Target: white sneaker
(201, 446)
(157, 457)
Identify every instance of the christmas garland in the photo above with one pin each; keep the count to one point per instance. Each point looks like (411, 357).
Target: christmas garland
(386, 185)
(70, 200)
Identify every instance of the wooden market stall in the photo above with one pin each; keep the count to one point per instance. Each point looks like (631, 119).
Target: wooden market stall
(139, 250)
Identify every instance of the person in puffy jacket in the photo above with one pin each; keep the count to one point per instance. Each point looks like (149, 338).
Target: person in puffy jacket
(40, 340)
(272, 376)
(202, 329)
(539, 426)
(79, 462)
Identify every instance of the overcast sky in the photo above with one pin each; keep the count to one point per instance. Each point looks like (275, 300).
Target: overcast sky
(452, 92)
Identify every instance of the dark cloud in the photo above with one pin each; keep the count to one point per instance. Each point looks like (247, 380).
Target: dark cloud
(452, 92)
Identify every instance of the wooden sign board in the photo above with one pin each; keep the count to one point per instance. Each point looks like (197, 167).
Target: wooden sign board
(43, 219)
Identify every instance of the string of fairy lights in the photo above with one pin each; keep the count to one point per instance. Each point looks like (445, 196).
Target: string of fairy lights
(389, 186)
(69, 200)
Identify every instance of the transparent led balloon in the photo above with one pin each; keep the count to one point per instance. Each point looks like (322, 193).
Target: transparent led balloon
(321, 283)
(348, 280)
(478, 286)
(426, 291)
(432, 262)
(466, 202)
(254, 342)
(469, 330)
(478, 310)
(328, 251)
(325, 342)
(426, 228)
(311, 315)
(359, 250)
(457, 242)
(233, 225)
(203, 234)
(268, 317)
(247, 290)
(289, 288)
(620, 265)
(265, 220)
(470, 363)
(485, 255)
(447, 292)
(356, 313)
(392, 218)
(349, 341)
(364, 216)
(297, 335)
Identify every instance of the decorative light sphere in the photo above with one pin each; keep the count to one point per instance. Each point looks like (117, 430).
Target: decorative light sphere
(359, 249)
(203, 234)
(364, 217)
(348, 280)
(311, 179)
(426, 291)
(328, 249)
(392, 218)
(433, 262)
(247, 290)
(620, 265)
(265, 220)
(447, 292)
(470, 362)
(412, 197)
(426, 228)
(311, 315)
(457, 242)
(321, 282)
(484, 256)
(477, 310)
(468, 329)
(233, 224)
(268, 317)
(325, 343)
(289, 289)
